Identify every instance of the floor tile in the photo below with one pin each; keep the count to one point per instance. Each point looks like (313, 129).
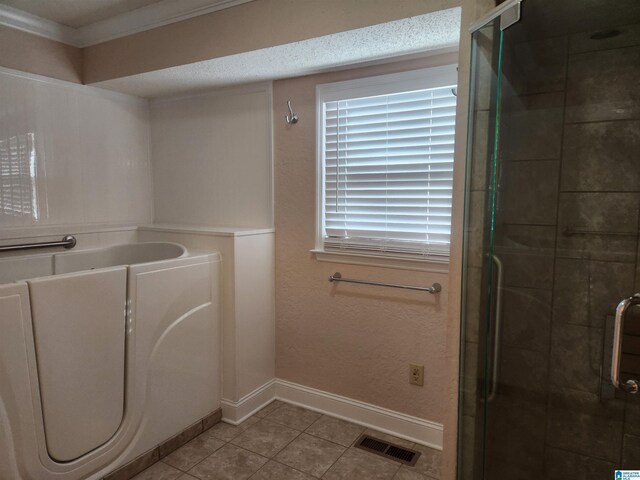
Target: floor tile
(407, 473)
(228, 463)
(277, 471)
(310, 454)
(248, 422)
(335, 430)
(266, 438)
(225, 431)
(430, 461)
(293, 417)
(191, 453)
(186, 476)
(358, 465)
(269, 408)
(389, 438)
(159, 471)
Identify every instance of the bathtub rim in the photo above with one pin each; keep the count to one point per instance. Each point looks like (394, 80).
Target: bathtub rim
(185, 252)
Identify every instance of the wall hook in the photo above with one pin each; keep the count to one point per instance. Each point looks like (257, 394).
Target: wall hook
(454, 91)
(292, 118)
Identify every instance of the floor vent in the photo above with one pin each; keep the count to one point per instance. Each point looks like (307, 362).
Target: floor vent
(388, 450)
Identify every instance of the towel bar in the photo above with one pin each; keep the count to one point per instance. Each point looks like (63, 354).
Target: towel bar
(337, 277)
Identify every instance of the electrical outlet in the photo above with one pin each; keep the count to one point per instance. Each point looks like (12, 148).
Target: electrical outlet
(416, 375)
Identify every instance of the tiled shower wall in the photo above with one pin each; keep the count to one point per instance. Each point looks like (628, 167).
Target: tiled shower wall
(567, 233)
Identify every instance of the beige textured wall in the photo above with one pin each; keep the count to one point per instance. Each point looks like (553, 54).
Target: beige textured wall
(33, 54)
(350, 340)
(251, 26)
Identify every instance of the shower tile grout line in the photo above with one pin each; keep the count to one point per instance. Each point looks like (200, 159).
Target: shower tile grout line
(623, 47)
(547, 405)
(606, 120)
(582, 454)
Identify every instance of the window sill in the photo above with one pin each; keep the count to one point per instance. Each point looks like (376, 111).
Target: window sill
(386, 261)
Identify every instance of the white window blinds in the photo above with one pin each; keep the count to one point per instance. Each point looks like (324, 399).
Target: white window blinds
(18, 182)
(388, 172)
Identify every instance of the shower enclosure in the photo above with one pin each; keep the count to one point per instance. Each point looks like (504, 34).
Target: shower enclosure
(551, 243)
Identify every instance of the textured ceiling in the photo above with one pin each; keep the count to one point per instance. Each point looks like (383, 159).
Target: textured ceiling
(77, 13)
(433, 31)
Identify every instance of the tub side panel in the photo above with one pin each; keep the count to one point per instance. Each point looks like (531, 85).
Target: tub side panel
(79, 330)
(175, 315)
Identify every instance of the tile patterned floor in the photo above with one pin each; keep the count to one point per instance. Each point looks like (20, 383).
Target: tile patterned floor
(285, 442)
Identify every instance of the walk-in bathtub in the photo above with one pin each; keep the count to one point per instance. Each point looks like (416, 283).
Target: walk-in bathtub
(104, 354)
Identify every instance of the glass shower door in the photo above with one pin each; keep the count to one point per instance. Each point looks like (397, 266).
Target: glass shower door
(551, 244)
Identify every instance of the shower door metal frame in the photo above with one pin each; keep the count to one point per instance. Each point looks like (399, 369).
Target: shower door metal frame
(509, 13)
(495, 13)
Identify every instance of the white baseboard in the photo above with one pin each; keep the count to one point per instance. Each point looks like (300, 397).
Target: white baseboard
(237, 412)
(388, 421)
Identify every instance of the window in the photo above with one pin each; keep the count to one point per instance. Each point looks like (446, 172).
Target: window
(385, 166)
(18, 182)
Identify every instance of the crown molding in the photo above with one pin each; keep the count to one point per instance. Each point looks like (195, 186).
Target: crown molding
(152, 16)
(20, 20)
(155, 15)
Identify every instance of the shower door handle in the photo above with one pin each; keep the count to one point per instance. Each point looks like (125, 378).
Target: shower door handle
(630, 386)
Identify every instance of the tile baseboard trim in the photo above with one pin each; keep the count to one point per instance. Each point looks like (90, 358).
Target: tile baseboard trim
(144, 461)
(401, 425)
(237, 412)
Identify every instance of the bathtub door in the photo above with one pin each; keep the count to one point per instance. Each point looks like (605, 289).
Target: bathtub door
(79, 330)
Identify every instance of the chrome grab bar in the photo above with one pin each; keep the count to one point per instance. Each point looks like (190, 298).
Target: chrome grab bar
(630, 386)
(496, 334)
(337, 277)
(68, 241)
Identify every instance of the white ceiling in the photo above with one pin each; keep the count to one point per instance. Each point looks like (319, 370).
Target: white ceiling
(438, 31)
(77, 13)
